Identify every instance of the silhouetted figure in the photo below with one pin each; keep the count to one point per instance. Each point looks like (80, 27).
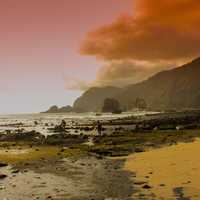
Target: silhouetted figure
(99, 127)
(63, 124)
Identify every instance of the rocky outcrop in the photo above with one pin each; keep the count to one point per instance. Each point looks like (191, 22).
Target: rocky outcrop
(111, 105)
(56, 109)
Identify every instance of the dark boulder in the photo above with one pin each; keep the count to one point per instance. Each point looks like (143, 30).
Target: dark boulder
(2, 176)
(23, 136)
(66, 139)
(3, 164)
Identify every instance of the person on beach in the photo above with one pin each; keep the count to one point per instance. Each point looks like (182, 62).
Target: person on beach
(63, 124)
(99, 128)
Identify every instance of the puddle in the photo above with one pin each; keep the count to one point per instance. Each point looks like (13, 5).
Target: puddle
(14, 151)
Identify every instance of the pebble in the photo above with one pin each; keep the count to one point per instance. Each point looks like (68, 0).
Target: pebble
(162, 185)
(146, 187)
(15, 171)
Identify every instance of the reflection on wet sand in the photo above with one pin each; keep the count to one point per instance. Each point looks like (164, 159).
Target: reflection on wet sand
(167, 173)
(13, 151)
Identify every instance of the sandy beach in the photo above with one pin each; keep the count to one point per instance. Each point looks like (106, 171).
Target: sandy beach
(171, 172)
(134, 158)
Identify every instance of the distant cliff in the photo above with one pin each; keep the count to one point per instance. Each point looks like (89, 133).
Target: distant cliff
(178, 88)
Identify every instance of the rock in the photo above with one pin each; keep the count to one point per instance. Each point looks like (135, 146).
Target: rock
(3, 164)
(15, 171)
(162, 185)
(64, 138)
(62, 150)
(139, 150)
(26, 164)
(36, 123)
(20, 135)
(2, 176)
(83, 164)
(146, 187)
(111, 105)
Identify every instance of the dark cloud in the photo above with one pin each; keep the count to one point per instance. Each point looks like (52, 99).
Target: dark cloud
(157, 30)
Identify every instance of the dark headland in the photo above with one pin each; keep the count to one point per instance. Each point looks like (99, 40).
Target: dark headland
(168, 90)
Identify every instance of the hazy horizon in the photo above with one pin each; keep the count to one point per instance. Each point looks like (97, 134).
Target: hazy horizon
(39, 50)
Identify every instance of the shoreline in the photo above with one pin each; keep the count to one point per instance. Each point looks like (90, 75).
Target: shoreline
(98, 169)
(89, 168)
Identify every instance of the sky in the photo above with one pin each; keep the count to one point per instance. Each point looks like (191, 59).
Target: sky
(53, 50)
(39, 52)
(157, 35)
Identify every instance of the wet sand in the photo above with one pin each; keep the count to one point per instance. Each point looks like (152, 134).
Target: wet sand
(75, 178)
(172, 172)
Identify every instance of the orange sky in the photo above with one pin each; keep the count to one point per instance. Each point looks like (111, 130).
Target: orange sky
(39, 49)
(157, 35)
(50, 49)
(156, 30)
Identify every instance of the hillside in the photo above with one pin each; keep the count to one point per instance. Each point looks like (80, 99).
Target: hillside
(177, 88)
(174, 89)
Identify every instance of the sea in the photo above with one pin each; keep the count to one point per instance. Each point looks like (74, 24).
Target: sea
(43, 122)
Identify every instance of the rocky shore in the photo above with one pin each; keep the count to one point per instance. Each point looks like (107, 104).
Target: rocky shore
(65, 165)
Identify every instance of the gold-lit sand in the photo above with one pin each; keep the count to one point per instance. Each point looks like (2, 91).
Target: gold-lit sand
(16, 155)
(168, 168)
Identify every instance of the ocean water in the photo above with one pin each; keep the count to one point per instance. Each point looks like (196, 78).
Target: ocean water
(43, 122)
